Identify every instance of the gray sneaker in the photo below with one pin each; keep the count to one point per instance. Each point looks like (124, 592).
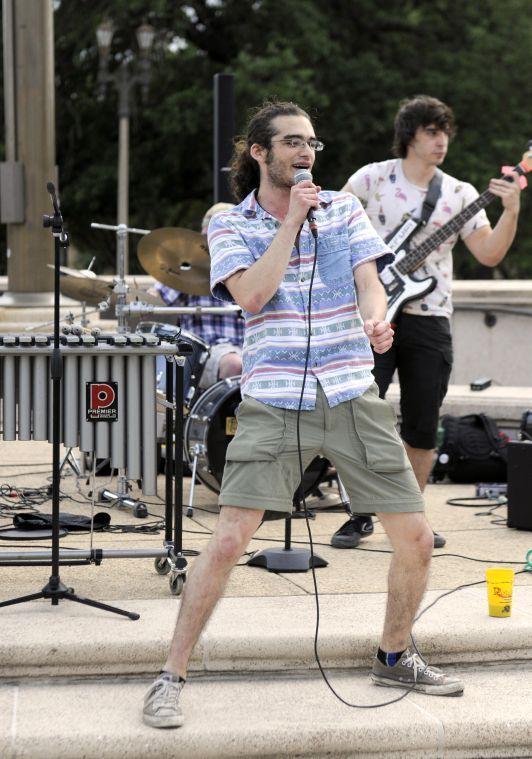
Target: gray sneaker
(411, 668)
(161, 705)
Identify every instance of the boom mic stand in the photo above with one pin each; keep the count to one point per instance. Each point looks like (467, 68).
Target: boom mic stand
(287, 559)
(55, 590)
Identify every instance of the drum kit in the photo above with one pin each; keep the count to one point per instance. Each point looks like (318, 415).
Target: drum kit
(178, 258)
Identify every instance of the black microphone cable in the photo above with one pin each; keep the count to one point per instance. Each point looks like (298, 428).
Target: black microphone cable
(408, 689)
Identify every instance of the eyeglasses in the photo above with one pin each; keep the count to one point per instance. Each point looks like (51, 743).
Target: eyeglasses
(298, 143)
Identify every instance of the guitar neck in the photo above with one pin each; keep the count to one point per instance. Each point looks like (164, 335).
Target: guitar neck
(415, 257)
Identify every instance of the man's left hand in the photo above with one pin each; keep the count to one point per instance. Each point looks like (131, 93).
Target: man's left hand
(380, 334)
(508, 192)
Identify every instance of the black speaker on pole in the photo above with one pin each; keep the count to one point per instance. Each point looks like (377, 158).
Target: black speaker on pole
(520, 485)
(224, 127)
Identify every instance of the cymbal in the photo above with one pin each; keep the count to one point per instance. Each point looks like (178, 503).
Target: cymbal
(88, 289)
(179, 258)
(80, 273)
(94, 290)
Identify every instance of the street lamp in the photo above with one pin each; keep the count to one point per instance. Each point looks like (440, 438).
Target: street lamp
(131, 70)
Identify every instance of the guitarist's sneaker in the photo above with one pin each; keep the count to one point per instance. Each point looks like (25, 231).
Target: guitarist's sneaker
(350, 534)
(412, 672)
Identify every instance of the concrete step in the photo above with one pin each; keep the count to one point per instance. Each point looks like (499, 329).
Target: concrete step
(256, 634)
(270, 716)
(506, 404)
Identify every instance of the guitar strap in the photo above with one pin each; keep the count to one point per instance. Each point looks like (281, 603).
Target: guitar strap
(432, 197)
(409, 226)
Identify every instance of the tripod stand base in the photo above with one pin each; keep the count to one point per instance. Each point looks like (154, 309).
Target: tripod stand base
(14, 534)
(56, 591)
(286, 560)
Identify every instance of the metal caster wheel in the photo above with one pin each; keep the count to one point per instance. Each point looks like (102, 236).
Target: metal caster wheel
(162, 566)
(176, 585)
(140, 511)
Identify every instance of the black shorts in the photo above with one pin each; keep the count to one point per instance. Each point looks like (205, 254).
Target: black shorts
(422, 353)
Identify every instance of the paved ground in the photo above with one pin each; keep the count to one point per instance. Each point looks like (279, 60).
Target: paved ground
(469, 536)
(72, 678)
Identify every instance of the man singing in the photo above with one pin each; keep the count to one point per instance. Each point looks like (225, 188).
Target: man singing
(262, 258)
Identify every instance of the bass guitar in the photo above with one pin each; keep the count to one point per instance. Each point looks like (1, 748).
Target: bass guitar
(397, 278)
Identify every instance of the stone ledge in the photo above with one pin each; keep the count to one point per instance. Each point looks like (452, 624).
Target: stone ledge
(505, 403)
(271, 717)
(255, 634)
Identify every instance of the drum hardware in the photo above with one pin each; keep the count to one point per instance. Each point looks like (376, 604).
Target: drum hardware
(196, 451)
(179, 258)
(120, 289)
(346, 502)
(70, 319)
(145, 309)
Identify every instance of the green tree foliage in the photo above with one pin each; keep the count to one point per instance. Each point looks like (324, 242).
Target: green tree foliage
(349, 62)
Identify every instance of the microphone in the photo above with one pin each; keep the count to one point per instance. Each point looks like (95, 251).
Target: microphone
(301, 176)
(55, 200)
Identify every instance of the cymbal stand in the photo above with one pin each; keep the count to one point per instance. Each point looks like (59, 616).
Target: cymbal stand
(68, 319)
(120, 289)
(121, 497)
(198, 449)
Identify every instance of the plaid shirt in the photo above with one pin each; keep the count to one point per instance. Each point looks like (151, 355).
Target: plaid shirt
(212, 328)
(276, 338)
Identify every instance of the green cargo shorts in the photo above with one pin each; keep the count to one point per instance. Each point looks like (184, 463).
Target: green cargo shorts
(358, 437)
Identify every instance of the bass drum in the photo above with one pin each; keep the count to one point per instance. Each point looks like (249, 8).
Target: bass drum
(209, 429)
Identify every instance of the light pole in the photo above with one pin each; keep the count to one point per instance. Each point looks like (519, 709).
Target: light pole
(131, 70)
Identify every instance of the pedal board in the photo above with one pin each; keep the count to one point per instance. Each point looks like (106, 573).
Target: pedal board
(491, 489)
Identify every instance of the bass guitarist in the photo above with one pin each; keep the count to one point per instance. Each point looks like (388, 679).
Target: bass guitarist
(422, 348)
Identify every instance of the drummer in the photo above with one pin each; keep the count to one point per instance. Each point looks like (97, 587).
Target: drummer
(223, 333)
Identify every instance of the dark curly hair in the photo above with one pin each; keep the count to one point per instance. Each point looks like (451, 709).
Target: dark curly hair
(420, 111)
(245, 174)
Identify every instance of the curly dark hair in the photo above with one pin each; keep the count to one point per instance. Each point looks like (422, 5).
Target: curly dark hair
(245, 174)
(420, 111)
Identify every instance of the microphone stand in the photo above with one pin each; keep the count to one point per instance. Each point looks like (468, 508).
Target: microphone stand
(54, 589)
(288, 559)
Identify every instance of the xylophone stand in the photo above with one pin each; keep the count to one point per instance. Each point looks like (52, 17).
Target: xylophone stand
(72, 463)
(54, 589)
(175, 562)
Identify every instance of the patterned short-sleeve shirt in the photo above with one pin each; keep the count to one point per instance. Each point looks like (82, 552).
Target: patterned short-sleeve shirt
(275, 340)
(387, 196)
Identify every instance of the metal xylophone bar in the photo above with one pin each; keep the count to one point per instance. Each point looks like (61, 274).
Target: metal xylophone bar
(130, 360)
(116, 349)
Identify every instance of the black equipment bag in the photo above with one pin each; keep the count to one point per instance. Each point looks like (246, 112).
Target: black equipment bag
(473, 450)
(72, 522)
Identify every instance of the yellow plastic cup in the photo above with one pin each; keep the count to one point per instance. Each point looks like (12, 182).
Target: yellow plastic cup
(500, 583)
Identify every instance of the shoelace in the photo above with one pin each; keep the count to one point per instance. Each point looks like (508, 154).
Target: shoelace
(414, 660)
(167, 694)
